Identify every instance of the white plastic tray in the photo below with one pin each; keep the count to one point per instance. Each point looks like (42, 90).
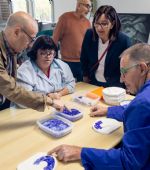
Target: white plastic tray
(85, 100)
(125, 102)
(106, 125)
(38, 162)
(55, 125)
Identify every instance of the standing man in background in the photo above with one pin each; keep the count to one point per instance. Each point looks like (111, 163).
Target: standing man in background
(70, 31)
(19, 33)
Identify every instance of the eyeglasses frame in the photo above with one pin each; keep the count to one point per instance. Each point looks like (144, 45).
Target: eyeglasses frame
(123, 71)
(32, 38)
(87, 5)
(100, 25)
(46, 54)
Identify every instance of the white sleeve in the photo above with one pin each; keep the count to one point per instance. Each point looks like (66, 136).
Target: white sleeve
(26, 76)
(69, 80)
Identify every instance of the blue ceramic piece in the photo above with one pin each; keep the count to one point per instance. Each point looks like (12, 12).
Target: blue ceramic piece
(55, 124)
(50, 162)
(72, 112)
(97, 125)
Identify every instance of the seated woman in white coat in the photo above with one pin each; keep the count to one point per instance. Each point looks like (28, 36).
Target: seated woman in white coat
(44, 72)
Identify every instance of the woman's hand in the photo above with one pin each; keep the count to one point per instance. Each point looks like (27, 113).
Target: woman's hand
(98, 111)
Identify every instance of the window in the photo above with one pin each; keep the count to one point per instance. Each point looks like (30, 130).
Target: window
(43, 10)
(39, 9)
(17, 6)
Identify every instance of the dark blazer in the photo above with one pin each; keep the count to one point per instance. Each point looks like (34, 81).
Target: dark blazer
(89, 56)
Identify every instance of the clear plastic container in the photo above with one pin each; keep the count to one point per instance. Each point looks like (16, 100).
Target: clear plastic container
(55, 125)
(83, 98)
(72, 114)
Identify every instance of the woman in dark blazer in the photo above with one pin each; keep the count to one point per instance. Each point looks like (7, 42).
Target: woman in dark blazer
(101, 48)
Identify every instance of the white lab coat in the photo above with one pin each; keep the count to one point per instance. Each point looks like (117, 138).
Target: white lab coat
(32, 78)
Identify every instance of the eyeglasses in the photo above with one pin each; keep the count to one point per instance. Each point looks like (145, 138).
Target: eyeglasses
(102, 25)
(48, 53)
(123, 71)
(32, 38)
(86, 5)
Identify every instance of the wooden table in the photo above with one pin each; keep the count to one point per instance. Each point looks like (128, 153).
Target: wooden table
(21, 138)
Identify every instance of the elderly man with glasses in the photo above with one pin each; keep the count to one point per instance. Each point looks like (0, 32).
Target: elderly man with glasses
(19, 33)
(134, 152)
(70, 31)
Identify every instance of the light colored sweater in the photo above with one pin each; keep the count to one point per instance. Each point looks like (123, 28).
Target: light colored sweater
(70, 31)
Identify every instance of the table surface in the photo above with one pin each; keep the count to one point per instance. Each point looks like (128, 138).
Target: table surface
(21, 138)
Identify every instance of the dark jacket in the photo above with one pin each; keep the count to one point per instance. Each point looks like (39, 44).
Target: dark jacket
(89, 56)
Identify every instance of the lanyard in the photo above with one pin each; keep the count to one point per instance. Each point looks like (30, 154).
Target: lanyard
(101, 57)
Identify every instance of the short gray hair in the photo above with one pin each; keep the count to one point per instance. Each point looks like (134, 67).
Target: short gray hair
(138, 52)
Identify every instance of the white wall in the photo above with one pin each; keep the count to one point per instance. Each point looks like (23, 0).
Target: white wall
(128, 6)
(122, 6)
(61, 6)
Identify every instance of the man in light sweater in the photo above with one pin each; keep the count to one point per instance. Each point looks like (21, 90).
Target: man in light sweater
(70, 31)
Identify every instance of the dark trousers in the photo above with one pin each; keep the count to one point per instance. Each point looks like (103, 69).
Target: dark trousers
(76, 70)
(5, 105)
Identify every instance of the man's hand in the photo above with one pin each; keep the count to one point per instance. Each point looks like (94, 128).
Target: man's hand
(98, 111)
(66, 153)
(57, 104)
(54, 95)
